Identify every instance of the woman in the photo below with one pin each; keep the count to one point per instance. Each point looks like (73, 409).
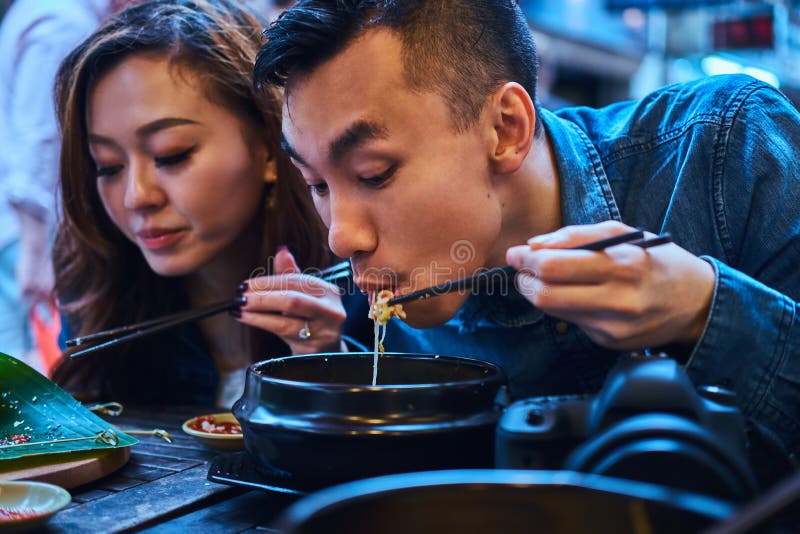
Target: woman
(174, 190)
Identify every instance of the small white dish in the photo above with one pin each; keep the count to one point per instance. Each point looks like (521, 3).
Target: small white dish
(218, 441)
(36, 501)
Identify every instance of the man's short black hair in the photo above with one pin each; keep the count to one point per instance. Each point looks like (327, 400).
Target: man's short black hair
(461, 49)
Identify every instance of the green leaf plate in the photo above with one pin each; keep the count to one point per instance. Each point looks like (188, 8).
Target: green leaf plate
(55, 422)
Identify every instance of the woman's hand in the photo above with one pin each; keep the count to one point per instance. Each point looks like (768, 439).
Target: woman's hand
(288, 302)
(623, 297)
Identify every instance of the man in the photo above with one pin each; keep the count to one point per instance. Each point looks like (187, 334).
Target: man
(414, 125)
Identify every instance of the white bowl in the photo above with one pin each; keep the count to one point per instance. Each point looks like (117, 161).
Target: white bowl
(37, 498)
(218, 441)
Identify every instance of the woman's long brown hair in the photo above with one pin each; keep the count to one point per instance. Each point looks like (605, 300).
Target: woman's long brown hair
(102, 279)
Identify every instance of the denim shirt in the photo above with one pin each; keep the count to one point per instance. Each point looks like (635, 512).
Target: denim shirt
(715, 163)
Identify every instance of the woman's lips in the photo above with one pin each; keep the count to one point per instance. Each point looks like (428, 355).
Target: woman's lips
(159, 238)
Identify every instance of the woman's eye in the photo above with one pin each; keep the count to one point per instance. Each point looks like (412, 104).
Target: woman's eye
(108, 170)
(320, 189)
(174, 159)
(379, 179)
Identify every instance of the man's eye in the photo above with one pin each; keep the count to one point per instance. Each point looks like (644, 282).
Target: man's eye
(320, 189)
(174, 159)
(380, 178)
(108, 170)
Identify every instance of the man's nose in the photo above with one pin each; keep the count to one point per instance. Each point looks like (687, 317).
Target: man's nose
(142, 188)
(350, 227)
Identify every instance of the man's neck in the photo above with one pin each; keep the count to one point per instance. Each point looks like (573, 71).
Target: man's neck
(531, 199)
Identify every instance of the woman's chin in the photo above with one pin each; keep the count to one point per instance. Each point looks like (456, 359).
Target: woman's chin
(170, 268)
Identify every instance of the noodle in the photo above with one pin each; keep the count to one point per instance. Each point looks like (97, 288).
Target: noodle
(380, 312)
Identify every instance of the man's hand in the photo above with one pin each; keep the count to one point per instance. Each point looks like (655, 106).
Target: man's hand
(623, 297)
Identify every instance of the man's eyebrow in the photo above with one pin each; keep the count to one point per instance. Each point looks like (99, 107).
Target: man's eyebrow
(291, 151)
(357, 134)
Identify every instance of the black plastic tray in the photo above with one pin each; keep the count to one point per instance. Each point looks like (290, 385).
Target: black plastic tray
(239, 469)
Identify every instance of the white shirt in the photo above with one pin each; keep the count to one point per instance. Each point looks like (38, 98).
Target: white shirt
(231, 387)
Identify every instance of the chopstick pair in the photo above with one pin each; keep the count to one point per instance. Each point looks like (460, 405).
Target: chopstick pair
(123, 334)
(464, 284)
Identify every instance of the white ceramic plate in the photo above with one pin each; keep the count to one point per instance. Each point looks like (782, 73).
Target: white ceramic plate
(218, 441)
(37, 500)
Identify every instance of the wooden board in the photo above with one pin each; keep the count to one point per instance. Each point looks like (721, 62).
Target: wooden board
(69, 470)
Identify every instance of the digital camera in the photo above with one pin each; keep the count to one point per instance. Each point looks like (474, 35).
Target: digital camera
(647, 423)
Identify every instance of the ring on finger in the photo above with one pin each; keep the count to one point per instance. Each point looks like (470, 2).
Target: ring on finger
(305, 333)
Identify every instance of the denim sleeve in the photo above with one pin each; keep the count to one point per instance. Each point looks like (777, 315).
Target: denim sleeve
(751, 341)
(751, 344)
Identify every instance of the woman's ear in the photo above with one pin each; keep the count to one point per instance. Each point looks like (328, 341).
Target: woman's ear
(513, 119)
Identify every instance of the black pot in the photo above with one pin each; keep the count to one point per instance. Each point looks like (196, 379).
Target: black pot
(507, 501)
(318, 418)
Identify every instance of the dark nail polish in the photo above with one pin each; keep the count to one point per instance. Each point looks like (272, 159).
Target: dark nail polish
(242, 300)
(283, 247)
(236, 313)
(241, 288)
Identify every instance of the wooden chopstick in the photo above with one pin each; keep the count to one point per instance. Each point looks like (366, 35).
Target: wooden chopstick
(121, 330)
(124, 334)
(466, 283)
(334, 270)
(160, 324)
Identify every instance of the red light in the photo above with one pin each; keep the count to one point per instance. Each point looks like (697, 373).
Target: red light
(744, 33)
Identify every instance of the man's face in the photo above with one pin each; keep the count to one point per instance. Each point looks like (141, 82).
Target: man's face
(408, 199)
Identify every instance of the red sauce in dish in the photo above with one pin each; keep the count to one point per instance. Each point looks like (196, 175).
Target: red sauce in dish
(15, 439)
(8, 514)
(207, 424)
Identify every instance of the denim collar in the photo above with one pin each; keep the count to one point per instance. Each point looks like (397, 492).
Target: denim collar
(586, 198)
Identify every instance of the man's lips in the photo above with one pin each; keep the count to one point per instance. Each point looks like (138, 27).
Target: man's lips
(158, 238)
(371, 287)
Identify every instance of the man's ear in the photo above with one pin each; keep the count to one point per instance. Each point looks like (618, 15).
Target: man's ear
(513, 118)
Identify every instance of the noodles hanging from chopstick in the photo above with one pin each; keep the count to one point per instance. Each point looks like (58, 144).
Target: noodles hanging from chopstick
(380, 312)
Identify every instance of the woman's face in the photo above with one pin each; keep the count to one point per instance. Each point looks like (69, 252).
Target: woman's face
(176, 172)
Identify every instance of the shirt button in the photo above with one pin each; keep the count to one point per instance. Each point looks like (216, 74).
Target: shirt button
(562, 327)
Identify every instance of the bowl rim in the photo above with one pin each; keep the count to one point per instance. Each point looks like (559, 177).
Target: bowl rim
(61, 498)
(496, 372)
(341, 495)
(224, 416)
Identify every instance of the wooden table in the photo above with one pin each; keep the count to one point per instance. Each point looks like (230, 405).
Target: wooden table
(163, 488)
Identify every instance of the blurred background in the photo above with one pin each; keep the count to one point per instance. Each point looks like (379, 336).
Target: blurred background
(594, 52)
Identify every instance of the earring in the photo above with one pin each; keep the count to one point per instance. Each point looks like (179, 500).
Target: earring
(269, 194)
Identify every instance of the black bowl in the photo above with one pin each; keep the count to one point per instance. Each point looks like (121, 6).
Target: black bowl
(317, 416)
(507, 501)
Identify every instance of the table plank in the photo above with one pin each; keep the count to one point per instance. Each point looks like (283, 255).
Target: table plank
(161, 462)
(146, 504)
(138, 472)
(246, 512)
(90, 495)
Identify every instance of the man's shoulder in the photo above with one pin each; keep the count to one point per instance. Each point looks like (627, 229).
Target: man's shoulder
(711, 98)
(668, 111)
